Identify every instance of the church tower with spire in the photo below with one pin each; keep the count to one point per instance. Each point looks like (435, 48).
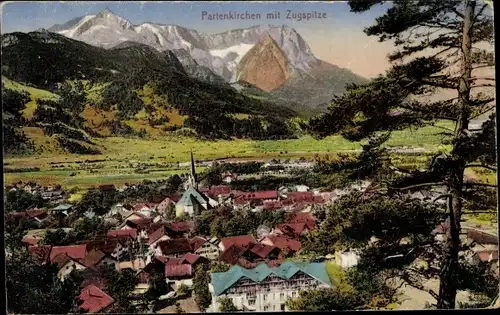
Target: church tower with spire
(192, 179)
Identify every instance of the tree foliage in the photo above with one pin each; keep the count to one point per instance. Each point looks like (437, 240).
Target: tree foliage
(226, 305)
(201, 281)
(437, 48)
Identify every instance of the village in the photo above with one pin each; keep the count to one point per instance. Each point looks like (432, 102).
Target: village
(256, 271)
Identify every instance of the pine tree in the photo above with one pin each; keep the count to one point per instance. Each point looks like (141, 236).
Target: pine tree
(438, 49)
(200, 285)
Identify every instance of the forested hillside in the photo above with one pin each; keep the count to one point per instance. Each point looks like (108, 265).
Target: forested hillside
(126, 91)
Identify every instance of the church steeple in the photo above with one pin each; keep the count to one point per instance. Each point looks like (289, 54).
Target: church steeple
(193, 173)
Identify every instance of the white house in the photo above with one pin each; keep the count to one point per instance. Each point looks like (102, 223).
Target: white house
(266, 289)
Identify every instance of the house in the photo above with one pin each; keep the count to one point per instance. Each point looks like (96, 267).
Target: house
(41, 254)
(134, 264)
(265, 288)
(96, 258)
(134, 216)
(95, 300)
(482, 238)
(205, 248)
(258, 197)
(241, 240)
(162, 207)
(180, 229)
(66, 265)
(303, 217)
(216, 191)
(233, 255)
(75, 252)
(301, 188)
(193, 201)
(156, 237)
(175, 247)
(347, 259)
(53, 195)
(293, 230)
(228, 177)
(177, 274)
(144, 209)
(282, 242)
(68, 258)
(62, 209)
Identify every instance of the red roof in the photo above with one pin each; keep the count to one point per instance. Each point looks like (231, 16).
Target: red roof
(485, 255)
(302, 217)
(73, 251)
(269, 194)
(156, 235)
(241, 240)
(232, 253)
(107, 245)
(292, 229)
(175, 246)
(482, 237)
(182, 226)
(175, 261)
(191, 258)
(94, 299)
(283, 242)
(270, 205)
(318, 199)
(262, 250)
(92, 258)
(215, 191)
(142, 223)
(36, 213)
(40, 253)
(61, 260)
(163, 259)
(182, 270)
(197, 242)
(301, 196)
(120, 234)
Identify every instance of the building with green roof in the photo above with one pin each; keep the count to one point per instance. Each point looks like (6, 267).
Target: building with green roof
(192, 199)
(264, 288)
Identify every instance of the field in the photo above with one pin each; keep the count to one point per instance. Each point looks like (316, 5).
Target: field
(129, 160)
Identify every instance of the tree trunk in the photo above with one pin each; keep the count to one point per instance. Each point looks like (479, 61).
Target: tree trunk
(449, 267)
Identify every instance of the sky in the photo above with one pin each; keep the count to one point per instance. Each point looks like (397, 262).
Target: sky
(338, 38)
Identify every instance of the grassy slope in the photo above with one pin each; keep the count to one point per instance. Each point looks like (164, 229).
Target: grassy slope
(35, 94)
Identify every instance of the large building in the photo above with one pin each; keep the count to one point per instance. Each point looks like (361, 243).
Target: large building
(264, 288)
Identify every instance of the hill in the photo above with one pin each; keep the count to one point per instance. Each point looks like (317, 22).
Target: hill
(130, 90)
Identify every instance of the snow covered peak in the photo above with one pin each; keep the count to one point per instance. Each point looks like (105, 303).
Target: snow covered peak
(220, 52)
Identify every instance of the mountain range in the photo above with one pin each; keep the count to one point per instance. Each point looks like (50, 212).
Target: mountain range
(218, 57)
(99, 76)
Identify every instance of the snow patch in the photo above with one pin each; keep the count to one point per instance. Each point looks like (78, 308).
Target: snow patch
(71, 32)
(240, 50)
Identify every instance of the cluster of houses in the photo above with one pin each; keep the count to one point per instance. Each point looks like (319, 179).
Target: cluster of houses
(261, 277)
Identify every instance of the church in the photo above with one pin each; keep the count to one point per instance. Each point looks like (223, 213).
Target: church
(192, 200)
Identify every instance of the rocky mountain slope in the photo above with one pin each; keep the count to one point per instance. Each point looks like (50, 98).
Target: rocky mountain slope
(264, 66)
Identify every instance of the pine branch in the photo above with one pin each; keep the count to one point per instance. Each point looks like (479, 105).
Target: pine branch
(483, 112)
(419, 185)
(441, 197)
(479, 13)
(481, 165)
